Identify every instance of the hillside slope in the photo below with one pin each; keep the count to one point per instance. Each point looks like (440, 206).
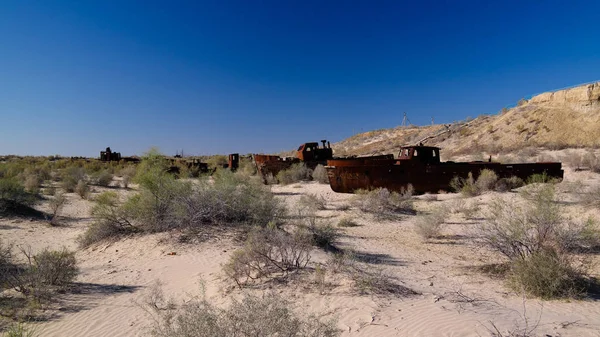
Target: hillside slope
(561, 119)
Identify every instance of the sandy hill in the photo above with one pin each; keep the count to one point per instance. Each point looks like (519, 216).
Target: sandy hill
(554, 120)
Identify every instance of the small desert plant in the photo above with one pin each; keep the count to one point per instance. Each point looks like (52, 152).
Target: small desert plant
(103, 178)
(547, 274)
(470, 187)
(486, 180)
(320, 174)
(296, 173)
(43, 273)
(269, 251)
(56, 205)
(324, 234)
(541, 178)
(110, 220)
(384, 203)
(13, 195)
(32, 183)
(55, 267)
(269, 316)
(70, 177)
(50, 190)
(508, 184)
(20, 330)
(313, 202)
(430, 225)
(82, 189)
(537, 240)
(378, 282)
(347, 222)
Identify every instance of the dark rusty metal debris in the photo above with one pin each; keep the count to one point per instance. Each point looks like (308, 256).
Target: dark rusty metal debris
(233, 162)
(108, 155)
(311, 154)
(195, 166)
(420, 167)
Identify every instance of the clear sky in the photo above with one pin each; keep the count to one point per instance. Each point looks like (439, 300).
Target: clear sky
(264, 76)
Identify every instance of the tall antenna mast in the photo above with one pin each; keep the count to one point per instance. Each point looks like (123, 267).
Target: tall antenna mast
(405, 120)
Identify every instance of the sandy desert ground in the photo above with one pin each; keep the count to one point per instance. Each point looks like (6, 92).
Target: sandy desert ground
(455, 298)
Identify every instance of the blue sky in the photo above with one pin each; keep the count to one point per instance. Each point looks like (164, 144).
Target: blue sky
(264, 76)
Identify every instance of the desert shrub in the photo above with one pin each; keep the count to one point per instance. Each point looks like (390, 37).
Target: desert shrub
(102, 178)
(296, 173)
(269, 316)
(522, 102)
(537, 240)
(32, 184)
(13, 195)
(269, 251)
(56, 205)
(320, 174)
(324, 234)
(55, 267)
(82, 189)
(232, 198)
(20, 330)
(547, 274)
(42, 274)
(50, 190)
(378, 282)
(508, 184)
(384, 203)
(470, 187)
(312, 202)
(166, 203)
(541, 178)
(70, 177)
(110, 220)
(347, 222)
(430, 225)
(486, 180)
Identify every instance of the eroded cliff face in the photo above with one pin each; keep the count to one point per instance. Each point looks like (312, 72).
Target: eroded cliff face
(586, 94)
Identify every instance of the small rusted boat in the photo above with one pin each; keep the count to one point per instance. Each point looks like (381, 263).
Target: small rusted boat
(420, 166)
(311, 154)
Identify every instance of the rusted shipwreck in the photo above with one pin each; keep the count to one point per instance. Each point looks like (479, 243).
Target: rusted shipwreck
(311, 154)
(420, 166)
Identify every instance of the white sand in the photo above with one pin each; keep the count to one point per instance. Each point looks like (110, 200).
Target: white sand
(455, 300)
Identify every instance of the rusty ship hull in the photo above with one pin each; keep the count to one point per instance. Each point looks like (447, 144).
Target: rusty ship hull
(351, 174)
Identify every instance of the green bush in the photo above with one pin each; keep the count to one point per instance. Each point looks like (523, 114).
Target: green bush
(508, 184)
(13, 195)
(55, 267)
(20, 330)
(269, 251)
(82, 189)
(268, 316)
(70, 177)
(103, 178)
(430, 225)
(296, 173)
(110, 220)
(320, 174)
(470, 187)
(383, 203)
(312, 202)
(347, 222)
(165, 203)
(547, 274)
(537, 240)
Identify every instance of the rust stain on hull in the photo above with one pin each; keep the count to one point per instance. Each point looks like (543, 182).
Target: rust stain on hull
(420, 167)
